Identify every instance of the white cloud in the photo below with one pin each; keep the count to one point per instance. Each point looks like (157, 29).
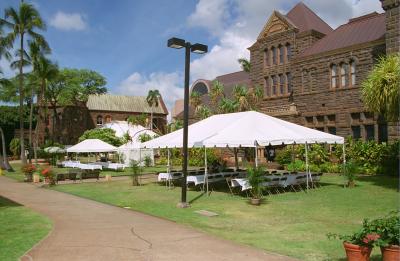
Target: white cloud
(169, 85)
(210, 14)
(68, 22)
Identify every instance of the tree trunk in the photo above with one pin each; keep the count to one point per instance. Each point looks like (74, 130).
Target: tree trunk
(151, 118)
(21, 101)
(30, 127)
(2, 167)
(5, 159)
(54, 123)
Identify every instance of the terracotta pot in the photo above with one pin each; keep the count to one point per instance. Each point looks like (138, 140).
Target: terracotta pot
(390, 253)
(255, 201)
(356, 252)
(36, 178)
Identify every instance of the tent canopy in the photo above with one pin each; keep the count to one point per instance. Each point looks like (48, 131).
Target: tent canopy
(92, 145)
(243, 129)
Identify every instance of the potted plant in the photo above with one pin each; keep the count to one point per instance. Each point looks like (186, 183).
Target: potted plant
(358, 246)
(389, 230)
(28, 170)
(350, 170)
(256, 179)
(48, 175)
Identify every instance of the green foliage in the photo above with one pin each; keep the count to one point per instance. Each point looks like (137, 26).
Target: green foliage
(228, 106)
(204, 112)
(153, 98)
(145, 137)
(15, 147)
(388, 228)
(148, 161)
(245, 64)
(297, 165)
(140, 119)
(135, 167)
(196, 157)
(284, 156)
(350, 171)
(380, 91)
(106, 135)
(256, 178)
(176, 125)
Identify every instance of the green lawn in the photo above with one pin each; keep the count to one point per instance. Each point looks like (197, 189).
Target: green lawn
(293, 224)
(20, 229)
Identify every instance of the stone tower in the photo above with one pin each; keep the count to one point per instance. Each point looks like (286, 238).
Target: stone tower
(392, 9)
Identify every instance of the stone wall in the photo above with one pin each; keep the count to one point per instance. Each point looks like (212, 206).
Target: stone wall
(392, 8)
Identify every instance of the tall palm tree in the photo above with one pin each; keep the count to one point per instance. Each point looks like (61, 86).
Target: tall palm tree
(257, 94)
(241, 94)
(195, 100)
(22, 23)
(217, 91)
(153, 100)
(204, 112)
(245, 64)
(380, 91)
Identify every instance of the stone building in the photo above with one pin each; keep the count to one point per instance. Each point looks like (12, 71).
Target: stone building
(73, 121)
(312, 74)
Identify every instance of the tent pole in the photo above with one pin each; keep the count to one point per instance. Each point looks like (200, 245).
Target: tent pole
(168, 163)
(256, 159)
(344, 158)
(205, 167)
(306, 164)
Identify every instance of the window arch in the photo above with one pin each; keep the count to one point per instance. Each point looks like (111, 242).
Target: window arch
(266, 57)
(352, 73)
(108, 119)
(288, 52)
(281, 54)
(274, 55)
(99, 120)
(334, 76)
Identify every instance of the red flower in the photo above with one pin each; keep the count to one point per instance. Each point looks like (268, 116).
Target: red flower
(371, 237)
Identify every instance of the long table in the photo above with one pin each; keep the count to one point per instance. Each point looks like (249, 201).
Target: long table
(213, 177)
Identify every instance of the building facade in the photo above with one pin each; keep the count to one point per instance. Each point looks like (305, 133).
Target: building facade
(68, 123)
(312, 74)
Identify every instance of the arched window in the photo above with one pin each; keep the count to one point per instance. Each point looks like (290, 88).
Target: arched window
(281, 54)
(274, 85)
(266, 57)
(289, 82)
(99, 120)
(353, 73)
(274, 56)
(281, 84)
(344, 74)
(334, 76)
(288, 52)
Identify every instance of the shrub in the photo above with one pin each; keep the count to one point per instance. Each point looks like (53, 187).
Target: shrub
(256, 178)
(297, 165)
(388, 228)
(106, 135)
(350, 171)
(148, 161)
(135, 172)
(284, 156)
(15, 147)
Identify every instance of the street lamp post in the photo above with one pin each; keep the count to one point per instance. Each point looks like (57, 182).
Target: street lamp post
(195, 48)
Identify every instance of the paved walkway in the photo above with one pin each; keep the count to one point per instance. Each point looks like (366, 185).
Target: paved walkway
(89, 230)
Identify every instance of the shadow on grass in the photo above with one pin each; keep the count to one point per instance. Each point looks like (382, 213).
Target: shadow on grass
(5, 202)
(389, 182)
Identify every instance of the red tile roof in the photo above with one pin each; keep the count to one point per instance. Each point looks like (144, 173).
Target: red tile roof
(358, 30)
(305, 19)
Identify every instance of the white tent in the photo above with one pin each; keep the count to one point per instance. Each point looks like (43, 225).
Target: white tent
(132, 151)
(243, 129)
(91, 146)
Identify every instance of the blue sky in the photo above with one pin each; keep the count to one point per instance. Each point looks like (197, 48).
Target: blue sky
(126, 40)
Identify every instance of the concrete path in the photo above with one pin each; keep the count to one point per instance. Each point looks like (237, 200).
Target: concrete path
(88, 230)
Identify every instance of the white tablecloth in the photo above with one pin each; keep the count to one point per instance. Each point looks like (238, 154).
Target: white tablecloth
(89, 166)
(163, 176)
(243, 183)
(70, 164)
(115, 166)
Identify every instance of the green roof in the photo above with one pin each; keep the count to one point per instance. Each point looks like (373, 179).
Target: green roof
(107, 102)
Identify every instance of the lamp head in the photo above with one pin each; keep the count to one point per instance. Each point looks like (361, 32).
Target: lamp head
(199, 48)
(176, 43)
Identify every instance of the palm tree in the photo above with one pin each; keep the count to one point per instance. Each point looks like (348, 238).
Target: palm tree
(153, 99)
(245, 64)
(22, 22)
(175, 125)
(195, 100)
(228, 106)
(204, 112)
(241, 94)
(257, 94)
(380, 91)
(217, 91)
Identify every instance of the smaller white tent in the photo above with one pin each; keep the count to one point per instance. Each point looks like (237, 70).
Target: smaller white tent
(123, 127)
(91, 146)
(132, 151)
